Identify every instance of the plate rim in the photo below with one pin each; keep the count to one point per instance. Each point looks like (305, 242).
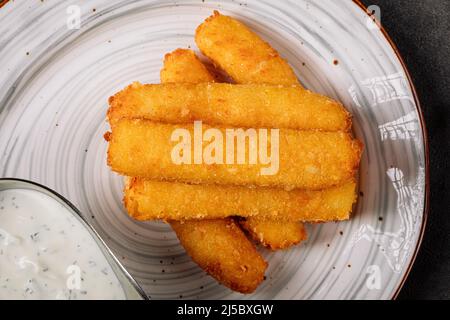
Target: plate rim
(424, 131)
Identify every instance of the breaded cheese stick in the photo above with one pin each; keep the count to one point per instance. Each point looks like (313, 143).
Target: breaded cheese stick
(221, 248)
(241, 53)
(250, 106)
(306, 159)
(274, 234)
(150, 200)
(183, 66)
(218, 246)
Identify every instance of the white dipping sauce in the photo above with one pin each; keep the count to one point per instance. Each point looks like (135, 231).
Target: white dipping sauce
(46, 253)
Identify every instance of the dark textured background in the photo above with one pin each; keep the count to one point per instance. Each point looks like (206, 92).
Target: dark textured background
(421, 31)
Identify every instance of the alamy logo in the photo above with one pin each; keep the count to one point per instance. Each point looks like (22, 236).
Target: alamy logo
(229, 146)
(74, 17)
(374, 17)
(373, 281)
(73, 281)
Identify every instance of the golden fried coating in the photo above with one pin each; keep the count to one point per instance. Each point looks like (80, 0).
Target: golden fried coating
(307, 159)
(241, 53)
(274, 234)
(218, 246)
(183, 66)
(221, 248)
(250, 106)
(149, 200)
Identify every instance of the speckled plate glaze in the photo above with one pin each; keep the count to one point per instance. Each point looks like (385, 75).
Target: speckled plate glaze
(54, 86)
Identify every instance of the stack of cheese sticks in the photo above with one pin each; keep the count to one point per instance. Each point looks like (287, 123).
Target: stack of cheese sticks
(210, 206)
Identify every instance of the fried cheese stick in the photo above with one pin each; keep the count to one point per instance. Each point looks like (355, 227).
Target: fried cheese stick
(221, 248)
(183, 66)
(241, 53)
(218, 246)
(250, 106)
(305, 159)
(150, 200)
(274, 234)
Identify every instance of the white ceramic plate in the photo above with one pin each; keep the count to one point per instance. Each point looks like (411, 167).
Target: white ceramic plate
(54, 85)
